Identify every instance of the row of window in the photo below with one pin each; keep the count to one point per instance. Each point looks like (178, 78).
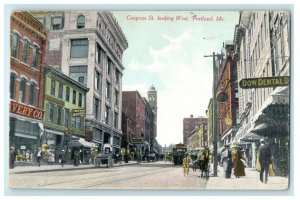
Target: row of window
(63, 117)
(57, 22)
(67, 92)
(25, 55)
(80, 49)
(107, 114)
(23, 90)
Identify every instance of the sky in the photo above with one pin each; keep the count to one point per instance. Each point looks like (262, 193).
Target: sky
(169, 54)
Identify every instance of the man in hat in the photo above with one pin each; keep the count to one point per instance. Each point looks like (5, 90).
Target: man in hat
(12, 158)
(265, 159)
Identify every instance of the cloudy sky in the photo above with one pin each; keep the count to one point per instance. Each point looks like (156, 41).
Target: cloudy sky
(169, 54)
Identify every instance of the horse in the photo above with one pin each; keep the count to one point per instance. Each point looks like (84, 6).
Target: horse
(203, 162)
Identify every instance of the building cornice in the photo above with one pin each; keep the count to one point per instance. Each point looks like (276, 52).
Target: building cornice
(32, 29)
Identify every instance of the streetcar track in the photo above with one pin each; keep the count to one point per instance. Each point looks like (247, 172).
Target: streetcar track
(94, 178)
(123, 179)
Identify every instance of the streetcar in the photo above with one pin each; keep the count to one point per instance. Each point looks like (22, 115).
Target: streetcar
(178, 153)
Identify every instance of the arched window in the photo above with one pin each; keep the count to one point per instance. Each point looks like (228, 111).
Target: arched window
(15, 45)
(35, 56)
(80, 21)
(22, 91)
(25, 51)
(32, 94)
(13, 79)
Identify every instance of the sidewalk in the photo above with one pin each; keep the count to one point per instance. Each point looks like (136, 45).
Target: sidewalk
(249, 182)
(57, 167)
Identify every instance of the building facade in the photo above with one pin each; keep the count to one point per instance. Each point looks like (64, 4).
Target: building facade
(27, 39)
(134, 107)
(190, 124)
(227, 96)
(89, 46)
(65, 103)
(152, 99)
(262, 40)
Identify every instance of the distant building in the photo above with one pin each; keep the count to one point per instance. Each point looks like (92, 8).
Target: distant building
(190, 124)
(134, 107)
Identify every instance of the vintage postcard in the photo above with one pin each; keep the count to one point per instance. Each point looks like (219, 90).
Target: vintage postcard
(158, 100)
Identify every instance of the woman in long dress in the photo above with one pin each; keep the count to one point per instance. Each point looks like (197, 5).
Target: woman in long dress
(238, 166)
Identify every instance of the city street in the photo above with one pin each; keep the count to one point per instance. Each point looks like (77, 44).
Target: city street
(154, 175)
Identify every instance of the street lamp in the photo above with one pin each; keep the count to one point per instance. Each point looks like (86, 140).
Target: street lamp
(215, 113)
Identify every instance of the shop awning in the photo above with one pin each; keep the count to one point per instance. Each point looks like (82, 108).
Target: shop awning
(81, 142)
(54, 132)
(259, 127)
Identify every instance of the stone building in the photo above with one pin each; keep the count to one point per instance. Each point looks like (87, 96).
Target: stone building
(262, 40)
(88, 46)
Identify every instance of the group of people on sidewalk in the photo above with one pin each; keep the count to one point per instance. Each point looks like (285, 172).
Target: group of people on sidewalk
(232, 158)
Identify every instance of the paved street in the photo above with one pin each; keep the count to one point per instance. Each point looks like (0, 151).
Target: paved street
(156, 175)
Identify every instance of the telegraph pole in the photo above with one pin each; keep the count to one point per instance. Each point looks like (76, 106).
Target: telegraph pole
(215, 115)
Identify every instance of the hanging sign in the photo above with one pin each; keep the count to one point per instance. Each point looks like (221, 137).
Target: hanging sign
(264, 82)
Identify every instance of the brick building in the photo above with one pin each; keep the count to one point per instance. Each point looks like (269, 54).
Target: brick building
(190, 124)
(134, 107)
(27, 39)
(227, 95)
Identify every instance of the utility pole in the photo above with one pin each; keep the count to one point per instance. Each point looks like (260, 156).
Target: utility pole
(215, 114)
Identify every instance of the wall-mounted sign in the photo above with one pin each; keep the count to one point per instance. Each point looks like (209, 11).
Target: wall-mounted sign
(264, 82)
(26, 111)
(228, 121)
(137, 140)
(78, 112)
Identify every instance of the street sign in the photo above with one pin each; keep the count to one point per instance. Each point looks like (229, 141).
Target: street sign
(78, 112)
(264, 82)
(137, 140)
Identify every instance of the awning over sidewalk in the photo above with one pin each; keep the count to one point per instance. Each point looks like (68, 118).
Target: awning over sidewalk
(81, 142)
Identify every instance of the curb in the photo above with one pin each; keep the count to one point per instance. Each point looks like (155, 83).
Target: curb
(66, 169)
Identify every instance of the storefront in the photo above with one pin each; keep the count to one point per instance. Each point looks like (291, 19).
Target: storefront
(25, 131)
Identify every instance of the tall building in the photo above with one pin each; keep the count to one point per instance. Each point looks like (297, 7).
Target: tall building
(262, 40)
(152, 99)
(134, 107)
(88, 46)
(190, 124)
(27, 39)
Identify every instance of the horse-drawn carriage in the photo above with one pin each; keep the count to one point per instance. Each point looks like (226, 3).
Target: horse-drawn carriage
(200, 160)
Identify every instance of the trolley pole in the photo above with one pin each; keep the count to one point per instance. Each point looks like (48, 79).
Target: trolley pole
(215, 115)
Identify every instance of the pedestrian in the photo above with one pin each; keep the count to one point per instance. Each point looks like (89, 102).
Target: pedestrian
(27, 155)
(39, 156)
(238, 161)
(265, 159)
(63, 157)
(12, 158)
(226, 161)
(76, 158)
(186, 164)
